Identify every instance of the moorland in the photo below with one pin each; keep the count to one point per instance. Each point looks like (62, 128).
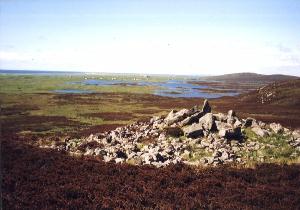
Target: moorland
(35, 107)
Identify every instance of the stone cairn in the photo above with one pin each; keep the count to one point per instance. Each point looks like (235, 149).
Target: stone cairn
(172, 139)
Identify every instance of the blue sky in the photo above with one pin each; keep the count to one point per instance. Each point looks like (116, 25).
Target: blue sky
(155, 36)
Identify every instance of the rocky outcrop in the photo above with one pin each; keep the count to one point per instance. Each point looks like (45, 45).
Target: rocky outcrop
(193, 136)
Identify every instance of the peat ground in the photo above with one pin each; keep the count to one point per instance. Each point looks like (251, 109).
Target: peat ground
(35, 178)
(82, 113)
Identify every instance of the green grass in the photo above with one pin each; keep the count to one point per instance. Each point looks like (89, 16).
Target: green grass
(45, 84)
(276, 148)
(196, 154)
(22, 97)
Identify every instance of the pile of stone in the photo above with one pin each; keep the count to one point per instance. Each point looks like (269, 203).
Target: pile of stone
(175, 138)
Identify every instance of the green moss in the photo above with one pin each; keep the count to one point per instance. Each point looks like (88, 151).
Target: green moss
(196, 153)
(276, 148)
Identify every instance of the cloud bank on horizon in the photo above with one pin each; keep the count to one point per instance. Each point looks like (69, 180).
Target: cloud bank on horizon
(177, 37)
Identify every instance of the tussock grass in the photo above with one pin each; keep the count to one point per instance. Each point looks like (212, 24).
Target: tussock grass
(275, 149)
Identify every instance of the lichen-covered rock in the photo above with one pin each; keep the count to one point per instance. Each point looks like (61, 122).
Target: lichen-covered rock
(276, 127)
(174, 117)
(220, 117)
(208, 122)
(259, 131)
(192, 119)
(228, 131)
(193, 131)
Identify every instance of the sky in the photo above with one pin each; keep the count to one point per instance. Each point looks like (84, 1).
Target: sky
(151, 36)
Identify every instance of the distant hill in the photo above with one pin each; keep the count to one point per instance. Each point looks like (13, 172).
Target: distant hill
(281, 93)
(250, 77)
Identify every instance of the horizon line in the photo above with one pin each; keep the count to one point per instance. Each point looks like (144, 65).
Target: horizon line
(91, 72)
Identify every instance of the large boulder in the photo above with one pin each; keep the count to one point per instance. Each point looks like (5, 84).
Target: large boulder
(174, 117)
(220, 117)
(208, 122)
(192, 119)
(193, 131)
(231, 117)
(228, 131)
(206, 107)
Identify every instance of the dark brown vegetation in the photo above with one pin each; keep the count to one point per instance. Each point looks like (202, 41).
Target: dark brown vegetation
(281, 106)
(250, 77)
(36, 178)
(43, 179)
(285, 111)
(277, 93)
(112, 115)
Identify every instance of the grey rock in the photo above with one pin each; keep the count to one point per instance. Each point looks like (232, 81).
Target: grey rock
(107, 158)
(231, 117)
(249, 122)
(100, 152)
(206, 107)
(261, 124)
(296, 134)
(237, 123)
(217, 154)
(224, 156)
(235, 149)
(228, 131)
(210, 160)
(119, 160)
(89, 152)
(205, 143)
(192, 119)
(193, 131)
(220, 117)
(259, 131)
(207, 122)
(231, 114)
(174, 117)
(276, 127)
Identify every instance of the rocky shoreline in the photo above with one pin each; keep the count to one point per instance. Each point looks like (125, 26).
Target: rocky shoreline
(192, 136)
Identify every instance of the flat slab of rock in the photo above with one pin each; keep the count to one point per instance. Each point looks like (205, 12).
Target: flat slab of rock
(259, 131)
(192, 119)
(174, 117)
(193, 131)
